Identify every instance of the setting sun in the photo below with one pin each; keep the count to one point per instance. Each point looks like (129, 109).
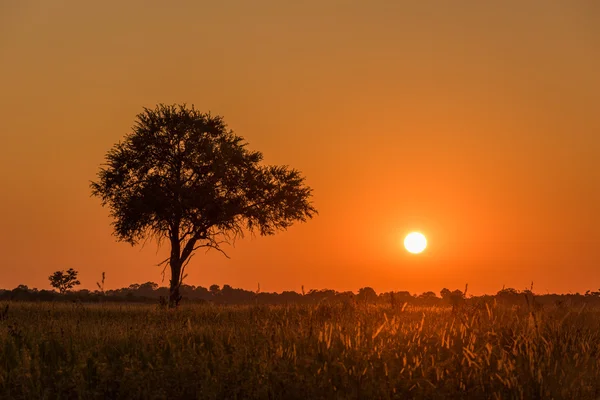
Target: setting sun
(415, 242)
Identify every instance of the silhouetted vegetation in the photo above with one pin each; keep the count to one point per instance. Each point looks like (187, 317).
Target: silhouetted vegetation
(151, 292)
(183, 177)
(330, 349)
(64, 280)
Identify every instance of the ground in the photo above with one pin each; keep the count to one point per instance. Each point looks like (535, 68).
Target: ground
(344, 350)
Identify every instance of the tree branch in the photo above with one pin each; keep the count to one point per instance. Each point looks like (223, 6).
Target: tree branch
(181, 275)
(216, 247)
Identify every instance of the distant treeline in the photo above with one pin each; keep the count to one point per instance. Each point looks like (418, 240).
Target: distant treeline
(150, 292)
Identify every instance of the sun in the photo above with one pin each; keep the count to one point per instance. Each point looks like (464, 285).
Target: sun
(415, 242)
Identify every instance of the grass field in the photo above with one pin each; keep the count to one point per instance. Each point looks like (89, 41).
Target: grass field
(70, 351)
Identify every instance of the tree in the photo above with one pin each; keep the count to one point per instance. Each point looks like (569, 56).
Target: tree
(445, 293)
(509, 295)
(147, 289)
(64, 281)
(184, 177)
(367, 295)
(507, 292)
(456, 299)
(428, 298)
(214, 289)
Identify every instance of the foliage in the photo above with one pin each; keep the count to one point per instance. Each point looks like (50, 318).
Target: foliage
(183, 177)
(64, 280)
(150, 292)
(367, 295)
(343, 351)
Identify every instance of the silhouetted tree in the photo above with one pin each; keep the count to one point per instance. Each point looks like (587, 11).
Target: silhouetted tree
(445, 294)
(202, 293)
(507, 292)
(226, 288)
(366, 295)
(316, 296)
(396, 299)
(22, 288)
(456, 299)
(403, 296)
(290, 297)
(428, 298)
(182, 176)
(214, 289)
(228, 295)
(64, 281)
(509, 295)
(187, 290)
(345, 296)
(147, 289)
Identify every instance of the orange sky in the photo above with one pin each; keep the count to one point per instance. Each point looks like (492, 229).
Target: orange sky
(474, 122)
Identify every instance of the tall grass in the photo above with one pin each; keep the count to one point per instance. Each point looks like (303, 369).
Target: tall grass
(52, 350)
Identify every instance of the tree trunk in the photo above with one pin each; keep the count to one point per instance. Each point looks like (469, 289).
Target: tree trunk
(175, 262)
(174, 296)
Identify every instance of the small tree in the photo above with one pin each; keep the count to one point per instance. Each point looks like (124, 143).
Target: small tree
(367, 295)
(427, 296)
(183, 177)
(445, 293)
(457, 299)
(64, 281)
(214, 289)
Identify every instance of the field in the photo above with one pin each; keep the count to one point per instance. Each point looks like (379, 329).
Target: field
(69, 351)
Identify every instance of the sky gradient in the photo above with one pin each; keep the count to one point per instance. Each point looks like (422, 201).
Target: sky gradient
(476, 123)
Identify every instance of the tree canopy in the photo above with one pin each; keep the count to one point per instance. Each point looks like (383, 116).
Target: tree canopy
(64, 280)
(184, 177)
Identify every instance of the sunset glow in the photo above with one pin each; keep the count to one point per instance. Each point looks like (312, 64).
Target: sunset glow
(401, 115)
(300, 199)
